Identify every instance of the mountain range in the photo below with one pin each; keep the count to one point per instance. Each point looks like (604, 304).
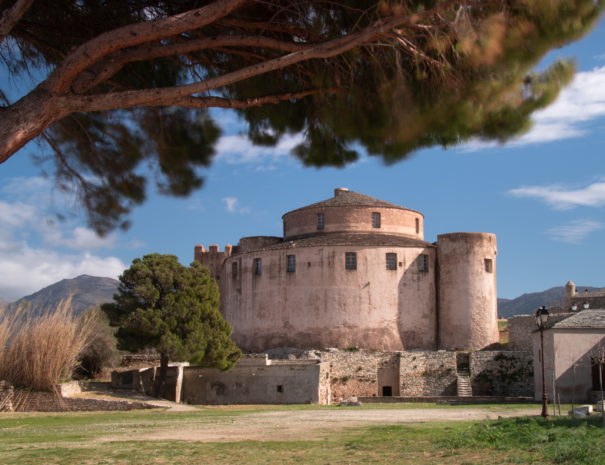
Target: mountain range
(89, 291)
(528, 303)
(84, 291)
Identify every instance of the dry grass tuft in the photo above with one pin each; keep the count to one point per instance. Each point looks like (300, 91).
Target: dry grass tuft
(37, 352)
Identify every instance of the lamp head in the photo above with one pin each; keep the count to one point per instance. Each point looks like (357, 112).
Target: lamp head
(542, 316)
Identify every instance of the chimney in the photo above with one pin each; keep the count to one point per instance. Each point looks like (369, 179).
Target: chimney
(339, 190)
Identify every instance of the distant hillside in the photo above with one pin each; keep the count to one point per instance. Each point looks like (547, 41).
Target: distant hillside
(85, 291)
(528, 303)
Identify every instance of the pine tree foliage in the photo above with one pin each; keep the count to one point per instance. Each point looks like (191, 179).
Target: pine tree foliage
(174, 309)
(129, 82)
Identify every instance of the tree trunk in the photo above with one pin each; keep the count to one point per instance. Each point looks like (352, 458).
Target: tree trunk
(160, 381)
(25, 119)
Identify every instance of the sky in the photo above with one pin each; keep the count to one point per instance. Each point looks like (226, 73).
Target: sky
(542, 194)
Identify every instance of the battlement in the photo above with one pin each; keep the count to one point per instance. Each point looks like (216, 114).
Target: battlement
(213, 258)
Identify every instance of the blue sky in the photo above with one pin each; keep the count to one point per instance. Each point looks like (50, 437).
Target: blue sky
(543, 195)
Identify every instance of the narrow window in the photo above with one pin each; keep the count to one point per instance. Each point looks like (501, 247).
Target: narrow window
(489, 265)
(391, 261)
(258, 266)
(234, 270)
(320, 221)
(291, 263)
(423, 263)
(350, 261)
(387, 391)
(375, 220)
(280, 388)
(417, 226)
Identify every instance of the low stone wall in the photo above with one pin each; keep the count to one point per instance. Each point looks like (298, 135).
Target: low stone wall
(359, 372)
(7, 396)
(428, 373)
(143, 380)
(502, 373)
(151, 358)
(277, 382)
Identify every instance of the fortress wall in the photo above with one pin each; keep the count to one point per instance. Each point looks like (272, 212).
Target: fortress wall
(467, 290)
(428, 373)
(324, 305)
(353, 219)
(502, 373)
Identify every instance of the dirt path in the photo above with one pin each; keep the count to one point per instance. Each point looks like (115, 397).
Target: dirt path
(314, 424)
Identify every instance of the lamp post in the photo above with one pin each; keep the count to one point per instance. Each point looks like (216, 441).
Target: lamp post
(541, 319)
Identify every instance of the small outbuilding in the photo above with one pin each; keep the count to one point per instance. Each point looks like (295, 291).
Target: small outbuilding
(574, 349)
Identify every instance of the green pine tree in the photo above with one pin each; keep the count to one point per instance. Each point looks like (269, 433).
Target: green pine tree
(174, 309)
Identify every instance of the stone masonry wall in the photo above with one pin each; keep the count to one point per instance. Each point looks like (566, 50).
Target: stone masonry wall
(502, 373)
(521, 327)
(428, 373)
(364, 372)
(353, 373)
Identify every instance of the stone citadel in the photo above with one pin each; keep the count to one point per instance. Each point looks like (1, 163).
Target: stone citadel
(353, 271)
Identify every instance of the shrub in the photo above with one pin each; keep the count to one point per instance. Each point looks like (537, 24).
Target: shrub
(38, 352)
(101, 350)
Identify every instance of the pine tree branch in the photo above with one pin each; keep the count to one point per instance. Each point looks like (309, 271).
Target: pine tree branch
(103, 70)
(220, 102)
(150, 97)
(12, 15)
(135, 34)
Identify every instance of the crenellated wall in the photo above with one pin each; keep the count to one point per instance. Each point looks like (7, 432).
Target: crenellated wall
(213, 258)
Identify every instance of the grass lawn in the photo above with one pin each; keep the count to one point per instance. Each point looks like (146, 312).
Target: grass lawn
(111, 438)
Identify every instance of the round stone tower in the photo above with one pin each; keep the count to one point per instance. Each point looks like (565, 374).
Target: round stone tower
(468, 316)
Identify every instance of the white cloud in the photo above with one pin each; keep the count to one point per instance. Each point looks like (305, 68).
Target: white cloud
(237, 148)
(78, 239)
(578, 105)
(27, 213)
(26, 231)
(574, 231)
(232, 205)
(16, 214)
(562, 198)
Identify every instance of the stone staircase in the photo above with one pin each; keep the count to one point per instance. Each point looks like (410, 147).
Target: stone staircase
(463, 387)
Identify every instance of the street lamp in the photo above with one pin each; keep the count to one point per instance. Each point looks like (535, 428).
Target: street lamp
(541, 320)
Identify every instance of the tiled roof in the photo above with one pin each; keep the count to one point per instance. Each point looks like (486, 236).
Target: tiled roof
(594, 318)
(349, 239)
(346, 198)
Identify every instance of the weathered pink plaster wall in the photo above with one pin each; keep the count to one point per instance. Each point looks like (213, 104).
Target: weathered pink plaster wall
(467, 291)
(353, 219)
(568, 367)
(324, 305)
